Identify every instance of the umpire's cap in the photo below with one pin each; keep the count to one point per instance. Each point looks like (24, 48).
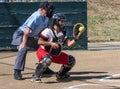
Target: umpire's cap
(46, 5)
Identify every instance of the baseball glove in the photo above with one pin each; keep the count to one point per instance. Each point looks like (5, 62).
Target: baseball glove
(78, 31)
(56, 52)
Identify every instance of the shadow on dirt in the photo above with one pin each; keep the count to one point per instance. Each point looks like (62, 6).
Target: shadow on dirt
(82, 76)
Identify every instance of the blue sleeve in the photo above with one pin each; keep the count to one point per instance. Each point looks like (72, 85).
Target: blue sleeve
(32, 22)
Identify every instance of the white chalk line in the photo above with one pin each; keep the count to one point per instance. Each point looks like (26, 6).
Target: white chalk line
(111, 78)
(104, 79)
(87, 84)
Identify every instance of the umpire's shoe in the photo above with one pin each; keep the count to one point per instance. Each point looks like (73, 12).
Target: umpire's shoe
(17, 75)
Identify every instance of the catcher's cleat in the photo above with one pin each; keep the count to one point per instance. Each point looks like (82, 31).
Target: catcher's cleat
(65, 76)
(36, 79)
(48, 71)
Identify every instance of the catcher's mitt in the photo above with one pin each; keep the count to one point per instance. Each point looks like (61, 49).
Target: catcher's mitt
(78, 31)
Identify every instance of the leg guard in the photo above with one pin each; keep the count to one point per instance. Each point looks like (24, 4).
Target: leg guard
(66, 68)
(43, 65)
(71, 61)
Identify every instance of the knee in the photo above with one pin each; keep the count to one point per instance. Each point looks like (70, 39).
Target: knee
(22, 50)
(47, 60)
(71, 61)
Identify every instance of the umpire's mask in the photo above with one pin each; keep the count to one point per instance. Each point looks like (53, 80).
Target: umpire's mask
(48, 7)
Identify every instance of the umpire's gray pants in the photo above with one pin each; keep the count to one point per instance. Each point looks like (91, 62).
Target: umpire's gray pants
(20, 60)
(21, 56)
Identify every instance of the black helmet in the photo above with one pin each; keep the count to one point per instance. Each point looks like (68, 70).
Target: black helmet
(58, 17)
(48, 7)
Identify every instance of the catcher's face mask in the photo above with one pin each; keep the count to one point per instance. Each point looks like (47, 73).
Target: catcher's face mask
(61, 25)
(59, 20)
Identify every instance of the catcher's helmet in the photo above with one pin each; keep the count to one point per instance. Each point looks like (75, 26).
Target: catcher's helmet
(48, 7)
(58, 17)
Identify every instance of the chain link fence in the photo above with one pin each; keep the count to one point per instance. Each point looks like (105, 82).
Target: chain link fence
(41, 0)
(12, 15)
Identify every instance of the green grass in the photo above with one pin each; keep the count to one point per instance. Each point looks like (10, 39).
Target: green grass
(103, 20)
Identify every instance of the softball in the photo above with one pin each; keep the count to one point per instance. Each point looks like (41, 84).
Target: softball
(81, 28)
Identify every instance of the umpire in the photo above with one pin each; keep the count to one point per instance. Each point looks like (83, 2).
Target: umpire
(23, 37)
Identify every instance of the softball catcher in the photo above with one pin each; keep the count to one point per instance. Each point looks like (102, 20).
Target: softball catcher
(51, 42)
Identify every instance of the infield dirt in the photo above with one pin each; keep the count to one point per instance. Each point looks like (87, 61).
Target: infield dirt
(91, 66)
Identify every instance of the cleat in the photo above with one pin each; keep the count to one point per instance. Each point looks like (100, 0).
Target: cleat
(66, 76)
(48, 71)
(35, 79)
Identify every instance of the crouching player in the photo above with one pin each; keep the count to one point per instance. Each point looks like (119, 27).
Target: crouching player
(51, 42)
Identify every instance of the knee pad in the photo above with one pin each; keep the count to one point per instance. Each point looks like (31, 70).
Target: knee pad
(47, 60)
(43, 65)
(71, 61)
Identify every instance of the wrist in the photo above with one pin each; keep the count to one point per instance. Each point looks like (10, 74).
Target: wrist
(75, 39)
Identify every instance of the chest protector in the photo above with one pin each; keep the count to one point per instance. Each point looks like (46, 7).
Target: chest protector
(60, 40)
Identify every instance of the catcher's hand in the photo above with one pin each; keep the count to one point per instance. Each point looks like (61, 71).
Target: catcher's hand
(56, 51)
(78, 31)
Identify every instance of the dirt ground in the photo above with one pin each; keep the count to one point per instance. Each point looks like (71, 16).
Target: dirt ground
(88, 73)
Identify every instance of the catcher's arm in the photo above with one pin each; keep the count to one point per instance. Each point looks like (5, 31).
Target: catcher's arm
(52, 47)
(46, 43)
(70, 43)
(78, 31)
